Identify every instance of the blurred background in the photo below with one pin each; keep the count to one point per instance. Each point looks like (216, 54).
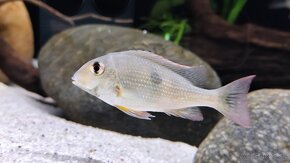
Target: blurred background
(46, 24)
(134, 13)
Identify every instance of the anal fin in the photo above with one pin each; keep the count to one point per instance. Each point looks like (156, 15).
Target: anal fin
(192, 113)
(136, 114)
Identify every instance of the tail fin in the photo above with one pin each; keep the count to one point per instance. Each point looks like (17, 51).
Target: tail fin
(233, 101)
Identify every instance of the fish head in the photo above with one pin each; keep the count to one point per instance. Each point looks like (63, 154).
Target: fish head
(96, 76)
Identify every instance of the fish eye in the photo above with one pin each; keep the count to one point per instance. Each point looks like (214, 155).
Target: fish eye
(98, 68)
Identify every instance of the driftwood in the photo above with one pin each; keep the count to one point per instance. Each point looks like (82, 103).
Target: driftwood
(69, 19)
(236, 51)
(215, 27)
(20, 72)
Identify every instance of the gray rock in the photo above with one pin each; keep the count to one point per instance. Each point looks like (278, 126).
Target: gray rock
(268, 140)
(29, 132)
(69, 50)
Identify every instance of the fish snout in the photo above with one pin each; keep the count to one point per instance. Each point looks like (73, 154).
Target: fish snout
(73, 78)
(83, 84)
(74, 81)
(76, 84)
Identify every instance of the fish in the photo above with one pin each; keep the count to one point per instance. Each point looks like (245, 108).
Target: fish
(138, 82)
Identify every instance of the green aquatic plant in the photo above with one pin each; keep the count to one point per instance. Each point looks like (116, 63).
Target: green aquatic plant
(162, 21)
(230, 9)
(171, 28)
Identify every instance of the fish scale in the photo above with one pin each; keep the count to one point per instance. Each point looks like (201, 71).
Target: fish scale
(139, 82)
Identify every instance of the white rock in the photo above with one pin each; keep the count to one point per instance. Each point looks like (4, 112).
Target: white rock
(30, 132)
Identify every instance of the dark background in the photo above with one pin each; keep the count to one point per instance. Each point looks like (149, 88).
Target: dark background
(255, 11)
(133, 9)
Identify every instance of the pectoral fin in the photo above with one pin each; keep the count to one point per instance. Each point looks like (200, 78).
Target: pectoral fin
(137, 114)
(192, 113)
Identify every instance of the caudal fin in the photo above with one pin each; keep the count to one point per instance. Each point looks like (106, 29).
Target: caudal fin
(233, 101)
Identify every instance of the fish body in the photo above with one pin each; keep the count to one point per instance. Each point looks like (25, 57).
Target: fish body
(138, 81)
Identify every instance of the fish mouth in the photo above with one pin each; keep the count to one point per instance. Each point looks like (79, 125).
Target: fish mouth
(73, 78)
(90, 91)
(81, 86)
(74, 81)
(76, 84)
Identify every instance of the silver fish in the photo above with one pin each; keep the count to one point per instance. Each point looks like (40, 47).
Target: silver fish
(138, 81)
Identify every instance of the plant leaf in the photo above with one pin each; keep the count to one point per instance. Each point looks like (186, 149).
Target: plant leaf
(162, 7)
(236, 11)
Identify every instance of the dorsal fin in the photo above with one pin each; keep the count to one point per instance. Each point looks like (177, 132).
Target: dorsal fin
(197, 75)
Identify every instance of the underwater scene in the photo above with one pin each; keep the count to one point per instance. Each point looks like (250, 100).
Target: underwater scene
(145, 81)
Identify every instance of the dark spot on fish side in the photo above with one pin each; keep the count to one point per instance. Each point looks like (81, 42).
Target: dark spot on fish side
(118, 91)
(155, 78)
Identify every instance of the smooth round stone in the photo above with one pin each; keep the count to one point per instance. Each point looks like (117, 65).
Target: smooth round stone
(66, 52)
(268, 139)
